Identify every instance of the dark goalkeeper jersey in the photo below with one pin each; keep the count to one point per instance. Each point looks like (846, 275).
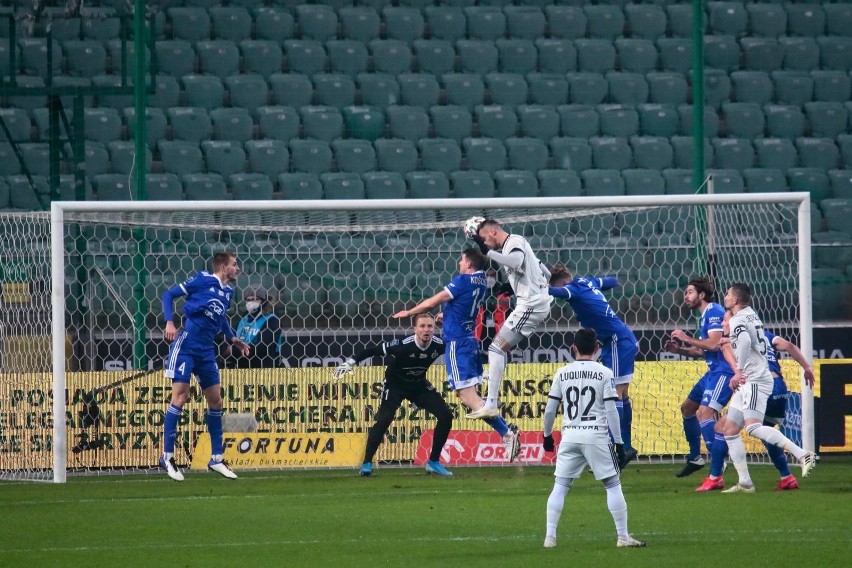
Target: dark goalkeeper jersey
(406, 361)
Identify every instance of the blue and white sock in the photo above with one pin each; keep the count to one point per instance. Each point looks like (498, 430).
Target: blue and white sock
(693, 435)
(718, 453)
(170, 423)
(625, 415)
(708, 432)
(779, 460)
(214, 426)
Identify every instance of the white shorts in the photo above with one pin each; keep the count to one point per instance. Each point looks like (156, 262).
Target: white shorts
(573, 457)
(526, 320)
(751, 398)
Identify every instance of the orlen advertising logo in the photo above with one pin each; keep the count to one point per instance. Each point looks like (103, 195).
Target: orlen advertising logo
(469, 447)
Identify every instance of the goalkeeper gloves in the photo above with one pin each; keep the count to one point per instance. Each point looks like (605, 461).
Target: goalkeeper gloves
(344, 368)
(547, 443)
(622, 458)
(480, 242)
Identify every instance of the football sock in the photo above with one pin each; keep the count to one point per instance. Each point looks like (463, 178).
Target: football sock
(170, 423)
(779, 460)
(441, 433)
(214, 426)
(626, 417)
(617, 505)
(496, 367)
(693, 435)
(717, 455)
(499, 424)
(708, 432)
(776, 438)
(554, 507)
(738, 456)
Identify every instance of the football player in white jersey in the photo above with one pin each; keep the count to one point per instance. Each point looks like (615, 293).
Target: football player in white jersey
(529, 279)
(753, 383)
(586, 391)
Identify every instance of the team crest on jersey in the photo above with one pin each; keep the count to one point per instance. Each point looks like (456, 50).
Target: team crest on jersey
(422, 355)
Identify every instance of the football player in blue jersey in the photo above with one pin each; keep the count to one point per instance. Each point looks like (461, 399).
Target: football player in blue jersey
(193, 351)
(712, 392)
(460, 301)
(619, 345)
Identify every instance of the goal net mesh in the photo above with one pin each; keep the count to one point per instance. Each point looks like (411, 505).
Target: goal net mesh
(333, 278)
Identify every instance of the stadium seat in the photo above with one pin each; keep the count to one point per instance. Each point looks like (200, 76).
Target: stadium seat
(587, 88)
(396, 155)
(223, 157)
(230, 22)
(805, 19)
(464, 89)
(743, 120)
(321, 122)
(316, 22)
(273, 23)
(472, 184)
(595, 55)
(180, 157)
(611, 153)
(678, 181)
(435, 56)
(310, 156)
(776, 153)
(684, 151)
(516, 183)
(446, 22)
(403, 23)
(558, 56)
(356, 156)
(384, 185)
(727, 181)
(364, 122)
(418, 89)
(33, 56)
(164, 187)
(450, 121)
(835, 53)
(175, 58)
(516, 55)
(359, 23)
(580, 121)
(636, 55)
(86, 58)
(305, 56)
(190, 24)
(485, 22)
(8, 161)
(539, 121)
(643, 182)
(821, 153)
(102, 124)
(233, 124)
(721, 52)
(559, 183)
(767, 20)
(97, 158)
(658, 119)
(604, 21)
(496, 121)
(118, 102)
(645, 21)
(112, 187)
(652, 152)
(799, 53)
(733, 153)
(291, 89)
(268, 157)
(334, 90)
(844, 141)
(477, 56)
(428, 184)
(219, 58)
(18, 123)
(191, 124)
(28, 102)
(618, 120)
(342, 185)
(727, 18)
(826, 119)
(602, 183)
(278, 122)
(524, 22)
(762, 54)
(167, 93)
(841, 183)
(547, 88)
(203, 91)
(507, 88)
(390, 56)
(248, 91)
(571, 153)
(407, 122)
(784, 121)
(529, 154)
(251, 186)
(675, 53)
(485, 154)
(378, 89)
(300, 186)
(627, 88)
(812, 180)
(764, 180)
(832, 86)
(566, 22)
(440, 154)
(204, 187)
(752, 86)
(792, 87)
(347, 56)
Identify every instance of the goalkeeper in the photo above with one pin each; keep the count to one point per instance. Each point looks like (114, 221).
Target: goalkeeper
(405, 379)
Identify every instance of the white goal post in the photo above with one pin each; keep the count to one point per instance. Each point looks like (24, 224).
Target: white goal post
(653, 243)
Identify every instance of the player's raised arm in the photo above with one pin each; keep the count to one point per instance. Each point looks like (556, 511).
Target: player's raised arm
(368, 353)
(426, 305)
(608, 282)
(783, 345)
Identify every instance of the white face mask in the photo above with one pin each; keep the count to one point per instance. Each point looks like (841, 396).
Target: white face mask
(253, 306)
(491, 281)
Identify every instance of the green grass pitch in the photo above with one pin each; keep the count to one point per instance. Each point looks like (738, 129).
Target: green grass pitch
(402, 517)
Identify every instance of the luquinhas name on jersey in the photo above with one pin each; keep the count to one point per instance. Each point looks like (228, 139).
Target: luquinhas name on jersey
(582, 375)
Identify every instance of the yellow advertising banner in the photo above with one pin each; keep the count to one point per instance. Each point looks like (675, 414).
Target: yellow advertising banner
(278, 451)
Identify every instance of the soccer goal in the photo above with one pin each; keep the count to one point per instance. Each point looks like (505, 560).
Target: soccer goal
(82, 315)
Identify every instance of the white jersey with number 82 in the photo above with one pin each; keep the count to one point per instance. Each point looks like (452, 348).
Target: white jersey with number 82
(583, 387)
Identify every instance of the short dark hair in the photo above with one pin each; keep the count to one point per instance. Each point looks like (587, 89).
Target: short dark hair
(559, 272)
(586, 341)
(742, 292)
(418, 317)
(705, 286)
(221, 259)
(489, 222)
(475, 258)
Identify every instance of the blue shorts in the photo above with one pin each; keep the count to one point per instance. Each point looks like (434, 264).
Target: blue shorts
(619, 356)
(717, 392)
(181, 363)
(776, 406)
(464, 367)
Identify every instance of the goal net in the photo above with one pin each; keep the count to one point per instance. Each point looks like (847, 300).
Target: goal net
(329, 275)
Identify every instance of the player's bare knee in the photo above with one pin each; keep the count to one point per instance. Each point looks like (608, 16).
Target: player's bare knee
(706, 413)
(688, 408)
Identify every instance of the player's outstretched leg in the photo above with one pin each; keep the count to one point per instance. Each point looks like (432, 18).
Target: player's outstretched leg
(436, 467)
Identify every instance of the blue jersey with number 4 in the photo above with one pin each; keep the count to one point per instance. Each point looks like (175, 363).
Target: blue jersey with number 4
(711, 320)
(206, 309)
(467, 293)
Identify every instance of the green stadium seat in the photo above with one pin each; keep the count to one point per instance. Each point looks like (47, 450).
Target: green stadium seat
(28, 102)
(645, 21)
(434, 56)
(8, 161)
(18, 123)
(203, 91)
(516, 183)
(835, 53)
(268, 157)
(838, 19)
(558, 56)
(86, 58)
(516, 55)
(230, 22)
(678, 181)
(587, 88)
(322, 122)
(524, 22)
(627, 88)
(291, 89)
(832, 86)
(446, 22)
(727, 18)
(652, 152)
(407, 122)
(643, 182)
(529, 154)
(164, 187)
(485, 22)
(278, 122)
(122, 156)
(25, 195)
(566, 22)
(234, 124)
(762, 54)
(826, 119)
(595, 55)
(440, 154)
(364, 122)
(571, 153)
(113, 187)
(636, 55)
(334, 90)
(251, 186)
(496, 121)
(191, 24)
(812, 180)
(579, 121)
(347, 56)
(342, 185)
(41, 119)
(472, 184)
(711, 121)
(618, 120)
(384, 185)
(486, 154)
(658, 119)
(305, 56)
(821, 153)
(844, 141)
(378, 89)
(33, 56)
(97, 158)
(220, 58)
(763, 180)
(451, 121)
(506, 89)
(428, 184)
(805, 19)
(743, 120)
(248, 91)
(604, 21)
(316, 22)
(721, 52)
(611, 153)
(223, 157)
(205, 187)
(559, 183)
(403, 23)
(539, 121)
(684, 151)
(547, 88)
(310, 156)
(776, 153)
(733, 153)
(602, 183)
(418, 89)
(727, 181)
(767, 20)
(792, 87)
(841, 183)
(175, 57)
(675, 54)
(191, 124)
(273, 23)
(784, 121)
(180, 157)
(359, 23)
(390, 56)
(477, 56)
(356, 156)
(799, 53)
(300, 186)
(167, 93)
(261, 57)
(396, 155)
